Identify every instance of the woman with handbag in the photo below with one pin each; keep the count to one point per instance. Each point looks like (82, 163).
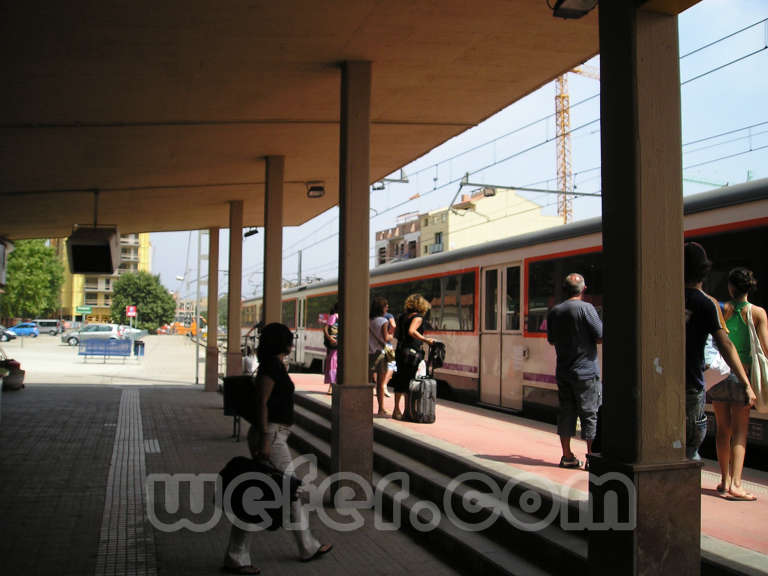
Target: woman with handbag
(730, 399)
(378, 338)
(268, 442)
(331, 342)
(409, 353)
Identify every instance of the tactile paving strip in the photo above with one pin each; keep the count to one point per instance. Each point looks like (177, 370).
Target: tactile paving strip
(126, 542)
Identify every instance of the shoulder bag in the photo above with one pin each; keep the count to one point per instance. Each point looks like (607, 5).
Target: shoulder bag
(759, 376)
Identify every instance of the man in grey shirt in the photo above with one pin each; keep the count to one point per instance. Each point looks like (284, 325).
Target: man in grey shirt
(575, 329)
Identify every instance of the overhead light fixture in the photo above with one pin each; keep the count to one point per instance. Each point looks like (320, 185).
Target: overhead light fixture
(489, 192)
(315, 189)
(250, 232)
(572, 8)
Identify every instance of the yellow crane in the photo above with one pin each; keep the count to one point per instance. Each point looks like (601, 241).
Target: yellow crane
(563, 132)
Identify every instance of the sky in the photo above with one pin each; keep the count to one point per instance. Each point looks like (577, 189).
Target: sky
(724, 132)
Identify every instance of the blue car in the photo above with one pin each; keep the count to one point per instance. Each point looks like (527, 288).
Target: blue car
(26, 329)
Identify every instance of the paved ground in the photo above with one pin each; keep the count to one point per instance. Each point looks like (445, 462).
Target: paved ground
(71, 461)
(168, 360)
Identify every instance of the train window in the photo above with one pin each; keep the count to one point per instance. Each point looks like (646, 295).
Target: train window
(288, 314)
(452, 298)
(733, 249)
(545, 285)
(512, 306)
(491, 299)
(317, 305)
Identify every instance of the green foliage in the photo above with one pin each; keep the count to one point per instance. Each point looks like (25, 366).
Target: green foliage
(223, 311)
(34, 278)
(154, 304)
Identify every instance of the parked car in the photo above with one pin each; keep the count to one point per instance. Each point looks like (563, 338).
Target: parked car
(129, 332)
(50, 326)
(12, 374)
(26, 329)
(6, 334)
(92, 332)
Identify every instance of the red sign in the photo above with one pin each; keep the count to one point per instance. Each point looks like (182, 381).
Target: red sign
(130, 311)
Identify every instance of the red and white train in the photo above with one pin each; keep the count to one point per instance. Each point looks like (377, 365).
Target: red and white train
(489, 301)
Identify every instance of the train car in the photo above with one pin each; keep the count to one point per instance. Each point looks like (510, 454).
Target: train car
(489, 302)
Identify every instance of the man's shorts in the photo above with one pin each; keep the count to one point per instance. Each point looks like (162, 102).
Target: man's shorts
(580, 398)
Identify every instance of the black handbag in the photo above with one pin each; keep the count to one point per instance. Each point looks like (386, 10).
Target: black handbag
(264, 477)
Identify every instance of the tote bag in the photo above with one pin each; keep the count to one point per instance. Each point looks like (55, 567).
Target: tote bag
(759, 376)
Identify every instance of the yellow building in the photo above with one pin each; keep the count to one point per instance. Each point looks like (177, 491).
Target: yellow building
(95, 290)
(486, 215)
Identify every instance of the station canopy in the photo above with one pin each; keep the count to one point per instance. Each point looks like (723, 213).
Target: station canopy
(169, 109)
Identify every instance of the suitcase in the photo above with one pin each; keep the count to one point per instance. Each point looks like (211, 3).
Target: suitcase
(421, 400)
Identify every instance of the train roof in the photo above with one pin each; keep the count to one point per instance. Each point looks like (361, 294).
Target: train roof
(695, 203)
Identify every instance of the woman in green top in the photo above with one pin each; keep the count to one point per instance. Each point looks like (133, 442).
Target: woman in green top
(730, 400)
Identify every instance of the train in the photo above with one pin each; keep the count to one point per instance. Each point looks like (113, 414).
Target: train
(489, 302)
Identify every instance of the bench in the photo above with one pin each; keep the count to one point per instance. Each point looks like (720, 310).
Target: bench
(104, 348)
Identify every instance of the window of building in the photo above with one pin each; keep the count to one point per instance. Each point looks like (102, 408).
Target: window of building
(438, 237)
(426, 250)
(444, 217)
(382, 255)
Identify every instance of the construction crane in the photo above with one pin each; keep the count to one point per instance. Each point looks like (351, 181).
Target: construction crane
(563, 132)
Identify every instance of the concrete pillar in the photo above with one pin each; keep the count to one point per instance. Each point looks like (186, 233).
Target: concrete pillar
(643, 353)
(352, 417)
(273, 239)
(211, 347)
(234, 357)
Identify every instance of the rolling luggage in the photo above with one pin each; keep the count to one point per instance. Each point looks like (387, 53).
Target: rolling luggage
(422, 392)
(421, 400)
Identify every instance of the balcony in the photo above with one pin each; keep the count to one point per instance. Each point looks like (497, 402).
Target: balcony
(435, 248)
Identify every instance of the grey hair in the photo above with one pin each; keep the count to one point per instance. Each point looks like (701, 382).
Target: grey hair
(573, 285)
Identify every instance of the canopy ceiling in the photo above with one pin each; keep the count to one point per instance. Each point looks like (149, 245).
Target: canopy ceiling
(169, 108)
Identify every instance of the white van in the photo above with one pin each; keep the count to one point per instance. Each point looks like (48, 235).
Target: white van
(49, 326)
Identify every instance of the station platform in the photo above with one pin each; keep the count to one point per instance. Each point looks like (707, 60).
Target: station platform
(509, 444)
(74, 461)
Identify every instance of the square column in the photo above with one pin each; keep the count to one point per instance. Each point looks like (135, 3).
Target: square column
(211, 347)
(273, 239)
(352, 415)
(643, 352)
(234, 357)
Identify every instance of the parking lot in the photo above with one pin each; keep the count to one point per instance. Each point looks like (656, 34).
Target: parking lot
(167, 360)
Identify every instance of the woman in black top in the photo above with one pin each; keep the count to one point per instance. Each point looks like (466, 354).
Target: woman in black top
(410, 327)
(268, 440)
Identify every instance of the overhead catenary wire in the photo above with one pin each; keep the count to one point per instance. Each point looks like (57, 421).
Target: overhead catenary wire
(434, 166)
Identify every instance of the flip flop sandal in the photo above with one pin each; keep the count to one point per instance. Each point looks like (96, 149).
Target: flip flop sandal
(324, 549)
(746, 497)
(570, 463)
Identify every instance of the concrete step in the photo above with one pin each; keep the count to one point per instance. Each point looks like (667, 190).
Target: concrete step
(494, 537)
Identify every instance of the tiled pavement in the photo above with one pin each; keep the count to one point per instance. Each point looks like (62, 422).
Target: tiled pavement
(58, 445)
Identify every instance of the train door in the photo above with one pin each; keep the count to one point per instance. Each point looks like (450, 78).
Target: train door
(490, 337)
(502, 350)
(298, 344)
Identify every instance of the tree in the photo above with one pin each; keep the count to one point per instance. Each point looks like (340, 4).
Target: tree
(154, 304)
(34, 278)
(223, 312)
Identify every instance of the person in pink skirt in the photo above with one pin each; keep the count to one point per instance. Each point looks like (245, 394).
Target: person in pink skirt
(331, 340)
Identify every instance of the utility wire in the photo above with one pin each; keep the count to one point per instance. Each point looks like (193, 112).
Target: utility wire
(723, 38)
(533, 147)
